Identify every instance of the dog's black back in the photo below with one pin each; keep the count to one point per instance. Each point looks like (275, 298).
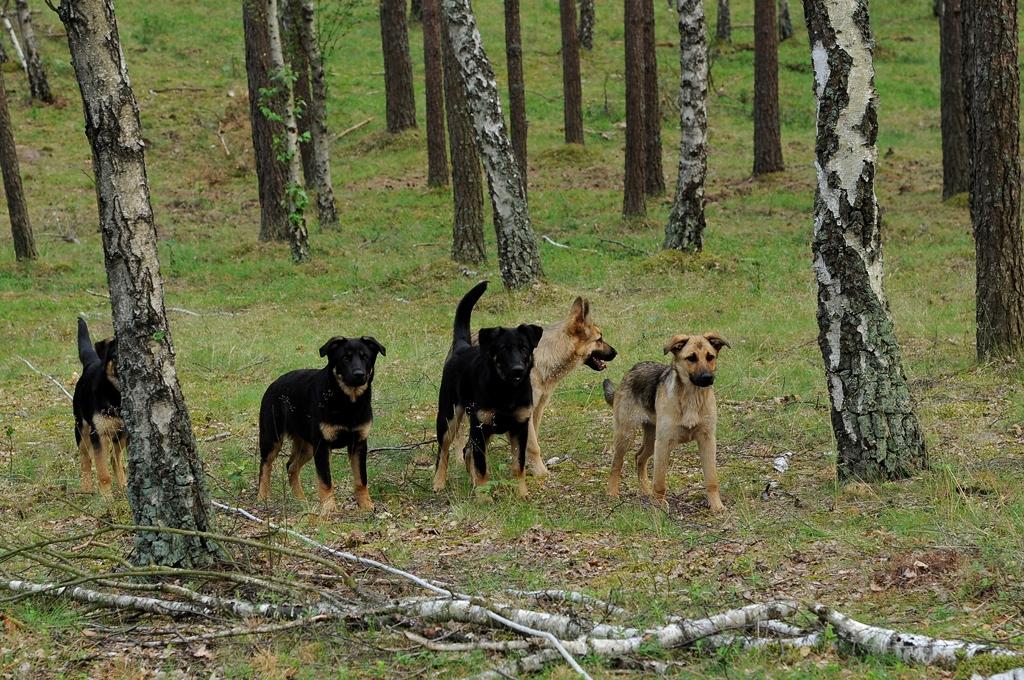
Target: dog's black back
(97, 391)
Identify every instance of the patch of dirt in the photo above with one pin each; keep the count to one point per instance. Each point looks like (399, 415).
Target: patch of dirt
(917, 569)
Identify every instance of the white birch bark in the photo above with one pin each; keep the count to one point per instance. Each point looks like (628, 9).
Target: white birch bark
(518, 258)
(39, 86)
(685, 228)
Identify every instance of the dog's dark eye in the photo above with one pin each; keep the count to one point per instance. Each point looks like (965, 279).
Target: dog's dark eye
(692, 358)
(711, 357)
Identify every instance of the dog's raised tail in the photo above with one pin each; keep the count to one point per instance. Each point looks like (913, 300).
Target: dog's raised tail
(86, 353)
(609, 391)
(465, 310)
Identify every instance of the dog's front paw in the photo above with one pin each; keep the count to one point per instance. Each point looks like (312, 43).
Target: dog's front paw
(538, 469)
(660, 502)
(328, 506)
(364, 502)
(716, 506)
(613, 488)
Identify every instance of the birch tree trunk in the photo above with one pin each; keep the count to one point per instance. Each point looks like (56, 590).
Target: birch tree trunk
(400, 99)
(723, 29)
(295, 56)
(433, 74)
(316, 106)
(21, 227)
(467, 182)
(685, 228)
(956, 168)
(993, 78)
(785, 22)
(166, 481)
(516, 87)
(518, 259)
(654, 174)
(767, 135)
(39, 86)
(587, 24)
(294, 196)
(270, 174)
(877, 433)
(633, 201)
(572, 91)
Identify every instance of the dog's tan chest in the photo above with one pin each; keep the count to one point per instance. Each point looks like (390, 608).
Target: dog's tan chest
(331, 431)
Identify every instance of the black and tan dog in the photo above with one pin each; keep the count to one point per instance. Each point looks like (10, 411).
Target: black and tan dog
(490, 384)
(673, 404)
(99, 429)
(320, 410)
(564, 346)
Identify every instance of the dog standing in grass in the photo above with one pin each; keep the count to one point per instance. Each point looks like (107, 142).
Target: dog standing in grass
(320, 410)
(673, 404)
(99, 429)
(490, 384)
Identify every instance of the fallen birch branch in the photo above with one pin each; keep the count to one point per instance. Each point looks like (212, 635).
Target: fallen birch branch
(238, 632)
(569, 596)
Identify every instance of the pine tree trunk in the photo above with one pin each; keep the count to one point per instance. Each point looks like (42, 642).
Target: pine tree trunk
(633, 201)
(270, 174)
(37, 82)
(723, 29)
(877, 434)
(654, 174)
(785, 22)
(467, 182)
(685, 228)
(166, 480)
(767, 136)
(295, 55)
(956, 169)
(21, 227)
(416, 10)
(518, 258)
(316, 106)
(992, 84)
(516, 86)
(398, 88)
(572, 91)
(587, 24)
(433, 73)
(294, 195)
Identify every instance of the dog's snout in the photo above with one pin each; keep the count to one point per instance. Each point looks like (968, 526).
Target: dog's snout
(517, 373)
(703, 379)
(359, 376)
(612, 353)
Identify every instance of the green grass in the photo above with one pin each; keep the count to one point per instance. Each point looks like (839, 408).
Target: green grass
(387, 273)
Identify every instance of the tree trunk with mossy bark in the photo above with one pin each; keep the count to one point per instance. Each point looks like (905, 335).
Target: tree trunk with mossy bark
(767, 133)
(166, 480)
(956, 157)
(634, 203)
(316, 108)
(39, 86)
(518, 259)
(399, 96)
(572, 90)
(877, 433)
(587, 19)
(654, 173)
(685, 228)
(723, 28)
(263, 97)
(992, 82)
(433, 75)
(295, 55)
(516, 87)
(21, 227)
(467, 181)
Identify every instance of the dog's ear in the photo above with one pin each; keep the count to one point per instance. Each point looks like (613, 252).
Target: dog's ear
(532, 333)
(486, 337)
(331, 344)
(102, 348)
(716, 341)
(372, 343)
(676, 343)
(580, 312)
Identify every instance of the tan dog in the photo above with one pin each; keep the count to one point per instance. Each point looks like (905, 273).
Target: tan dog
(673, 404)
(564, 346)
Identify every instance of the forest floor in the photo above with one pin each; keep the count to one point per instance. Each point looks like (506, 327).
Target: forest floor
(387, 273)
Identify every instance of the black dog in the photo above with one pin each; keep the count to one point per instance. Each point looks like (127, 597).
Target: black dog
(322, 410)
(99, 429)
(491, 384)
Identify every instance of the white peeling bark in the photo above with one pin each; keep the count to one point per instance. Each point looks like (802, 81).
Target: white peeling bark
(326, 210)
(294, 202)
(518, 258)
(685, 228)
(39, 86)
(166, 480)
(878, 436)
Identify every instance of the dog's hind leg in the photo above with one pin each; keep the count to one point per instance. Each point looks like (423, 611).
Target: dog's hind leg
(84, 435)
(322, 461)
(120, 443)
(302, 453)
(643, 457)
(357, 461)
(620, 443)
(100, 455)
(533, 455)
(447, 433)
(269, 449)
